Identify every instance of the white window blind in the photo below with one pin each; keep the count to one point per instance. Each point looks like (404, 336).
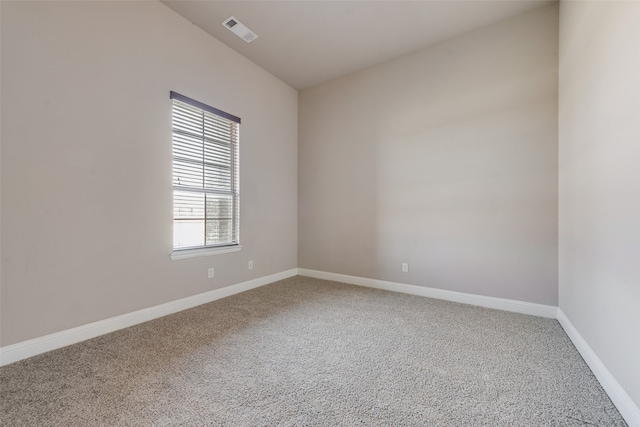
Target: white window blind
(205, 175)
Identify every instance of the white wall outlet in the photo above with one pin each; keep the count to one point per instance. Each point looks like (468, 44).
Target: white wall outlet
(251, 265)
(211, 273)
(405, 267)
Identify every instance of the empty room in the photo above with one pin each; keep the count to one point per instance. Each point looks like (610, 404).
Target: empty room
(322, 213)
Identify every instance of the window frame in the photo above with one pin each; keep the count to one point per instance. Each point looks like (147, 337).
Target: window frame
(234, 177)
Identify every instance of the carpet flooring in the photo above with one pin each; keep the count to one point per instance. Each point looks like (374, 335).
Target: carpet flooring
(308, 352)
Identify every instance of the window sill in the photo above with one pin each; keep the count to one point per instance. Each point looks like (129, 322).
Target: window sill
(192, 253)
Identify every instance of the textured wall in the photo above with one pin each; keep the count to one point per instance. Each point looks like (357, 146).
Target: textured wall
(86, 161)
(599, 192)
(445, 159)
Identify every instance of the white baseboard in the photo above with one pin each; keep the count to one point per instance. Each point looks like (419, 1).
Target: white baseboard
(628, 409)
(482, 301)
(22, 350)
(625, 405)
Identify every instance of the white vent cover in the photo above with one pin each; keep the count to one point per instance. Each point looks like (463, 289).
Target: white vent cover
(240, 29)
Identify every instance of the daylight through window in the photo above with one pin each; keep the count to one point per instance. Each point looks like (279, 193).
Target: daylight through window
(205, 175)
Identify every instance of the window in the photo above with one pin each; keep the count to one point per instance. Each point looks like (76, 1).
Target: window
(205, 176)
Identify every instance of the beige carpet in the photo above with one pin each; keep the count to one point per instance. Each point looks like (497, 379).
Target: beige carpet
(307, 352)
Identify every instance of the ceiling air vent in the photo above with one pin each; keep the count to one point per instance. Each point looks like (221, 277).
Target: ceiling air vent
(239, 29)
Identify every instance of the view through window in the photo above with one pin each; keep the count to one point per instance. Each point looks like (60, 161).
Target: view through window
(205, 175)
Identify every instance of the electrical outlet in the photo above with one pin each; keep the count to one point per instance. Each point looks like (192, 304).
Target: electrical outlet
(405, 267)
(251, 265)
(211, 273)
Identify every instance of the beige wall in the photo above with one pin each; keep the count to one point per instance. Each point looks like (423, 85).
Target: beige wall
(86, 161)
(599, 196)
(445, 159)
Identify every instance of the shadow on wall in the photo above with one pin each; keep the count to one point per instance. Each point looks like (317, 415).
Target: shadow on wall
(445, 159)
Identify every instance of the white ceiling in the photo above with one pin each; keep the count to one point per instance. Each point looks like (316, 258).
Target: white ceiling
(305, 43)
